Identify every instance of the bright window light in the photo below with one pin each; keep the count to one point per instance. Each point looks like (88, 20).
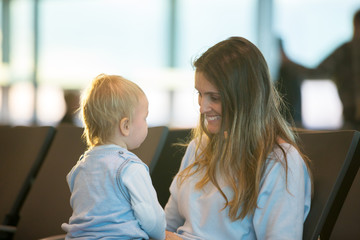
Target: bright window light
(321, 105)
(50, 104)
(21, 103)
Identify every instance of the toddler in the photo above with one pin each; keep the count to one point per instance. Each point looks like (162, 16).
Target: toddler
(112, 196)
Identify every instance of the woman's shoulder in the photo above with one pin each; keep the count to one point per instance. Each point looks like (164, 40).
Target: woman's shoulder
(286, 153)
(285, 148)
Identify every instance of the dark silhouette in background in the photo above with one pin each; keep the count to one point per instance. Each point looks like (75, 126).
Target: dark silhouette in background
(72, 101)
(289, 86)
(343, 67)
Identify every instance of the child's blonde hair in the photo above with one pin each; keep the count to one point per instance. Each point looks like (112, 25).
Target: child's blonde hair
(107, 100)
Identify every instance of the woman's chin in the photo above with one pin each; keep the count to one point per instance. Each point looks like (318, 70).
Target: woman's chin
(213, 128)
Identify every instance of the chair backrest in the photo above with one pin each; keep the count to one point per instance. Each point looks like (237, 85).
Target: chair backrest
(23, 150)
(150, 149)
(48, 204)
(335, 162)
(169, 163)
(347, 224)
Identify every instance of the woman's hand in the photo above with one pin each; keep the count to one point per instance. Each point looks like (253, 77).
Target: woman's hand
(171, 236)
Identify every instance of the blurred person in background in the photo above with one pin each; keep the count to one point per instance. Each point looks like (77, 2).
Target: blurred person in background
(343, 67)
(72, 104)
(289, 86)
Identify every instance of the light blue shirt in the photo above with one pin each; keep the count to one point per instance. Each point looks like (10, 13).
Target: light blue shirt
(281, 212)
(113, 198)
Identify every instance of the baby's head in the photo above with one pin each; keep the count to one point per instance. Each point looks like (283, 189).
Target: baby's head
(114, 107)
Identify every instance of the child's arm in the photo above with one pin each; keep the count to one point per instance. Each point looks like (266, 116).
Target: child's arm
(144, 200)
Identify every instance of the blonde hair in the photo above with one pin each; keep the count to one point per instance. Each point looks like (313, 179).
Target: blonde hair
(107, 100)
(251, 127)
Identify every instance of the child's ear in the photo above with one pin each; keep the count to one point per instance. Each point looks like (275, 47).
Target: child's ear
(125, 126)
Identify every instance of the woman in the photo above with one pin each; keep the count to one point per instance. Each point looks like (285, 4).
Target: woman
(242, 176)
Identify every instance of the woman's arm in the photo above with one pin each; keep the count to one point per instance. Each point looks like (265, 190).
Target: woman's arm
(283, 207)
(173, 217)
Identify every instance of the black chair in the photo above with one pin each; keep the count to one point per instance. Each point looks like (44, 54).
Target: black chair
(48, 204)
(23, 150)
(335, 157)
(150, 149)
(347, 225)
(169, 163)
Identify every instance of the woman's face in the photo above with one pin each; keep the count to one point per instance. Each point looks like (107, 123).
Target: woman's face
(209, 101)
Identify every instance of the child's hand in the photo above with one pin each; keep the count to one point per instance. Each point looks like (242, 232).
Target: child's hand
(171, 236)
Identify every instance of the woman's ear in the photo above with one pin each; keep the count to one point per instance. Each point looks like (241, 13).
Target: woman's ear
(125, 126)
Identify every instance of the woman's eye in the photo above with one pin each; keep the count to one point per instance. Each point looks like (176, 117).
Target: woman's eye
(215, 98)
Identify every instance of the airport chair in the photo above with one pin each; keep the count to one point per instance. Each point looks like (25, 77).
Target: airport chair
(150, 149)
(169, 163)
(22, 153)
(335, 157)
(48, 204)
(347, 225)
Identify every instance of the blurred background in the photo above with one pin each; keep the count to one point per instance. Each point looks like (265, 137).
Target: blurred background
(51, 50)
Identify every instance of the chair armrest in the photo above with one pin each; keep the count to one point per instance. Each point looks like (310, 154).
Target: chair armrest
(55, 237)
(6, 228)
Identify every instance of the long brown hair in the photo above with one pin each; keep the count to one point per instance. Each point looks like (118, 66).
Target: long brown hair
(251, 124)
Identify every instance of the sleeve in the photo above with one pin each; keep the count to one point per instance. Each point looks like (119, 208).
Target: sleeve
(174, 219)
(144, 200)
(282, 208)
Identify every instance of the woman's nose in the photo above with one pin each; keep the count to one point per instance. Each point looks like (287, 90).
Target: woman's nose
(204, 105)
